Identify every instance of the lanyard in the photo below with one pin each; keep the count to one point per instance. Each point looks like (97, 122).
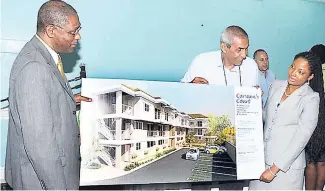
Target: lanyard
(224, 75)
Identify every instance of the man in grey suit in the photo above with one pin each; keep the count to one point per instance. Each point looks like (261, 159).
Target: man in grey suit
(43, 135)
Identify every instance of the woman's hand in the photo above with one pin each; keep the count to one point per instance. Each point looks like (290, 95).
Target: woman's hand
(269, 174)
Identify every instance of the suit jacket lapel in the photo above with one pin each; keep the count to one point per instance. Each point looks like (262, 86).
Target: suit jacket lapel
(299, 92)
(63, 81)
(45, 53)
(279, 93)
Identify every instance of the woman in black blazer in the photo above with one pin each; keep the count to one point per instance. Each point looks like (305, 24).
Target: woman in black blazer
(315, 149)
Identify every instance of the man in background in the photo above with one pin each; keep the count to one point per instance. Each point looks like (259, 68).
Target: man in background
(266, 75)
(43, 135)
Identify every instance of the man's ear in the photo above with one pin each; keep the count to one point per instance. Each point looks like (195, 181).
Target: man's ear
(49, 31)
(310, 77)
(223, 47)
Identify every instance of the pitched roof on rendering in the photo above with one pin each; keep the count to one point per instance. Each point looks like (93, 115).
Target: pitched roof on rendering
(159, 99)
(197, 115)
(137, 90)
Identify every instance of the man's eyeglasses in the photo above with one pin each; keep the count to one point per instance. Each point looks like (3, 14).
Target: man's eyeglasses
(73, 33)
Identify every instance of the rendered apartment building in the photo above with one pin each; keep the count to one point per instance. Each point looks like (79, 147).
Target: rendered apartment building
(131, 122)
(198, 124)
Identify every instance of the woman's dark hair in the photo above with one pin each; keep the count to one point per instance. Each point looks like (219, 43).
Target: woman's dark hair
(316, 146)
(319, 50)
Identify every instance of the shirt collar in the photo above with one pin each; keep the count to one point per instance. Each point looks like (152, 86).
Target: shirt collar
(220, 64)
(268, 74)
(54, 55)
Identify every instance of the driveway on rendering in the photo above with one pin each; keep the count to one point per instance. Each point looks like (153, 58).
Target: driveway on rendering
(214, 167)
(171, 168)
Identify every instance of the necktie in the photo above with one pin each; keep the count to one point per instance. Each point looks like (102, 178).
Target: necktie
(60, 66)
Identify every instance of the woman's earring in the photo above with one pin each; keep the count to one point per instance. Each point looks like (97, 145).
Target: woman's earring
(308, 82)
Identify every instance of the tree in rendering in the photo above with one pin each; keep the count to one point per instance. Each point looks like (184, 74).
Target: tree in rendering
(189, 138)
(217, 124)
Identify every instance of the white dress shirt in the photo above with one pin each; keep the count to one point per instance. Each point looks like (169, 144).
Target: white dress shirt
(209, 66)
(54, 55)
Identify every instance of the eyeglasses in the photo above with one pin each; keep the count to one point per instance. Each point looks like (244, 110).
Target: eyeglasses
(74, 33)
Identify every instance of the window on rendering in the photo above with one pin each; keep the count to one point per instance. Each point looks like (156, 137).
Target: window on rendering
(199, 131)
(138, 146)
(166, 116)
(150, 144)
(149, 127)
(138, 125)
(160, 129)
(157, 113)
(199, 123)
(112, 99)
(146, 107)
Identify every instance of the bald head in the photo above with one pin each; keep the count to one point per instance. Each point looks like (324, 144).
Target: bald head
(54, 12)
(262, 59)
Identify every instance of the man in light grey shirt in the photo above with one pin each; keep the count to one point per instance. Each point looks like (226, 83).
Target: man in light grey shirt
(266, 75)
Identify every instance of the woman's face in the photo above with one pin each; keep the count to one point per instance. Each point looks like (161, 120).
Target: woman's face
(299, 72)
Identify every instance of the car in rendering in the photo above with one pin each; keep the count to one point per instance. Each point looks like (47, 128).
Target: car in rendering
(192, 154)
(212, 149)
(223, 148)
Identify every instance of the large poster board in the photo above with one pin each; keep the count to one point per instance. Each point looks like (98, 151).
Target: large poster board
(140, 132)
